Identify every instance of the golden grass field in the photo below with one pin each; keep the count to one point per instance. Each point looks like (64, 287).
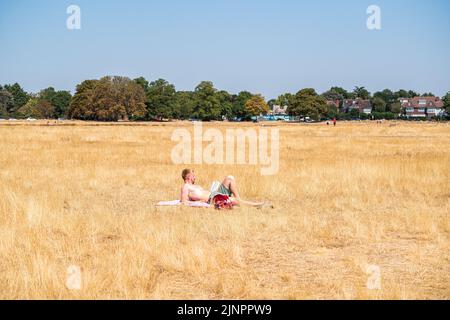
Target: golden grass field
(345, 198)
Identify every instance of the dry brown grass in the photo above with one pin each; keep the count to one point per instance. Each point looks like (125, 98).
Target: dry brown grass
(345, 197)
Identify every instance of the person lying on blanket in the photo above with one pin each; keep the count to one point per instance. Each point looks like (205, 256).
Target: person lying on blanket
(192, 192)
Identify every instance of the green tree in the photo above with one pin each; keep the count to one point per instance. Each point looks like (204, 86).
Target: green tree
(207, 104)
(257, 105)
(60, 100)
(406, 94)
(341, 91)
(412, 94)
(20, 97)
(161, 100)
(30, 109)
(354, 113)
(47, 94)
(396, 108)
(401, 94)
(226, 104)
(361, 92)
(239, 102)
(379, 104)
(143, 83)
(6, 103)
(387, 96)
(184, 105)
(82, 103)
(307, 103)
(446, 100)
(37, 108)
(332, 111)
(284, 100)
(332, 95)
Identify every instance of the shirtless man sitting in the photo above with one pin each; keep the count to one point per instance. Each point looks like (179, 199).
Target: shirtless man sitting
(192, 192)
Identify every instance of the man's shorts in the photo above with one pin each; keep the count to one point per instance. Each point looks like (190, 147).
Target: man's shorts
(218, 188)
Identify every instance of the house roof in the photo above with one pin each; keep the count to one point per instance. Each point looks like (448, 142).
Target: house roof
(430, 102)
(357, 103)
(277, 108)
(333, 102)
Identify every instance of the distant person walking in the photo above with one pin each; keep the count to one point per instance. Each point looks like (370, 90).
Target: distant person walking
(334, 121)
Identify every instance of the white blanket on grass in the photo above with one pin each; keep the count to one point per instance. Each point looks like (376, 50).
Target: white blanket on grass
(178, 202)
(214, 187)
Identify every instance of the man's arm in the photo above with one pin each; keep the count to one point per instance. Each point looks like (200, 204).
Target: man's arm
(185, 194)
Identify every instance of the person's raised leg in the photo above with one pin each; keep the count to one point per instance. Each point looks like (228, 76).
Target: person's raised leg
(230, 183)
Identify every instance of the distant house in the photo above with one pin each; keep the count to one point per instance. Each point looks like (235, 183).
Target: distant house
(279, 110)
(422, 107)
(403, 100)
(363, 106)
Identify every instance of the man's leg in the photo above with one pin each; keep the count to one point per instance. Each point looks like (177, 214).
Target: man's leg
(230, 183)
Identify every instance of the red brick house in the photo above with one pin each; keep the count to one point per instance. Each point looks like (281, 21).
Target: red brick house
(422, 107)
(363, 106)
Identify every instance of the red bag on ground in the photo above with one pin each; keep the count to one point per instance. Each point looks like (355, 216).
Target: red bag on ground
(222, 201)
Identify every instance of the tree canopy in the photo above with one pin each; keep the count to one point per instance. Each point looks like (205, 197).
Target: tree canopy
(239, 102)
(108, 99)
(361, 92)
(20, 97)
(116, 98)
(6, 102)
(161, 100)
(307, 103)
(257, 105)
(184, 105)
(379, 104)
(446, 100)
(60, 100)
(206, 102)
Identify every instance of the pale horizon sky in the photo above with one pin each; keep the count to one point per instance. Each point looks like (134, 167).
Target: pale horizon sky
(267, 47)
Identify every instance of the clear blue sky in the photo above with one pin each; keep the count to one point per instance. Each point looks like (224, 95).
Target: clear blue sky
(263, 46)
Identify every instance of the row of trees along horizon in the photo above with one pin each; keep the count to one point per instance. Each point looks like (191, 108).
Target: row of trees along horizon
(115, 98)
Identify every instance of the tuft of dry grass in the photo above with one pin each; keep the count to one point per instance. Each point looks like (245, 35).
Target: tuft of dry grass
(345, 198)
